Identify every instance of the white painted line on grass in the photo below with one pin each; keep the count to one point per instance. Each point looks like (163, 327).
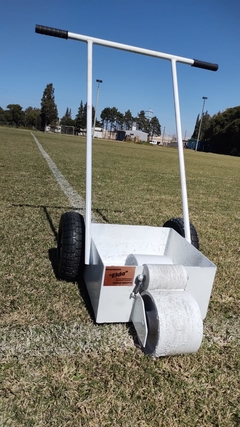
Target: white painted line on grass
(73, 338)
(74, 199)
(62, 340)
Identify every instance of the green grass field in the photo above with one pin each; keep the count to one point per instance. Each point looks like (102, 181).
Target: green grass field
(58, 368)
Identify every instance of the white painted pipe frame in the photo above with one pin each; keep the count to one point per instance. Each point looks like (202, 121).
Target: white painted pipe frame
(174, 59)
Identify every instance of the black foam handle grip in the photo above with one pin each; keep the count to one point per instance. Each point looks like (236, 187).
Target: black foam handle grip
(49, 31)
(205, 65)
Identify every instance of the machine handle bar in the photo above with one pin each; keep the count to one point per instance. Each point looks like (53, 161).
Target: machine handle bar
(205, 65)
(63, 34)
(49, 31)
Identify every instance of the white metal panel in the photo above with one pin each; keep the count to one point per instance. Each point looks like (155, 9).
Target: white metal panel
(112, 303)
(200, 285)
(115, 242)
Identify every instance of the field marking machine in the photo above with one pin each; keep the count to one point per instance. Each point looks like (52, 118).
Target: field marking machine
(154, 277)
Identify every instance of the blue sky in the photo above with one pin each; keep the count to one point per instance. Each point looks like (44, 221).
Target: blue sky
(208, 30)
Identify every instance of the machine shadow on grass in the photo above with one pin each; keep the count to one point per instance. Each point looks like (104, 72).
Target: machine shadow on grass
(52, 252)
(53, 258)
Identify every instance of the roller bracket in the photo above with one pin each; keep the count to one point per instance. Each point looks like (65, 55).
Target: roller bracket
(138, 285)
(138, 318)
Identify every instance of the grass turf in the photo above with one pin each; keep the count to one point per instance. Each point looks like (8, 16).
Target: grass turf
(57, 367)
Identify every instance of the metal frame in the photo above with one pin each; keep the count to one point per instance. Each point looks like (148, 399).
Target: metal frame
(174, 59)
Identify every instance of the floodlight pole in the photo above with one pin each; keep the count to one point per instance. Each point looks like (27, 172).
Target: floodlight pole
(199, 130)
(163, 135)
(96, 106)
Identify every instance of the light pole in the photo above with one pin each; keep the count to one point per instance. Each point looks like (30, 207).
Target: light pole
(163, 135)
(199, 130)
(96, 106)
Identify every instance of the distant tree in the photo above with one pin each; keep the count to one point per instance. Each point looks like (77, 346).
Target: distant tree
(205, 123)
(106, 117)
(155, 127)
(33, 118)
(232, 137)
(2, 116)
(49, 112)
(98, 124)
(196, 128)
(113, 118)
(128, 120)
(81, 117)
(119, 121)
(67, 120)
(143, 122)
(15, 115)
(80, 120)
(223, 131)
(68, 113)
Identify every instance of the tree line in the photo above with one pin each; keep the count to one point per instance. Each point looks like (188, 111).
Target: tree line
(113, 120)
(39, 118)
(221, 132)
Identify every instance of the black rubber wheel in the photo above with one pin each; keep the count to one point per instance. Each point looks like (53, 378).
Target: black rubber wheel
(70, 248)
(178, 225)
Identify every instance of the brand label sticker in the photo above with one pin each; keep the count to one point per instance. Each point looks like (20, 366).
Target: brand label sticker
(119, 276)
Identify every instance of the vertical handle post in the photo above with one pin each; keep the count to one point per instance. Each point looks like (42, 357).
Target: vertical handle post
(180, 153)
(88, 216)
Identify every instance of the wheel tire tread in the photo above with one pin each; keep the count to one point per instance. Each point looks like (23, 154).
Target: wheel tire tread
(71, 234)
(178, 225)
